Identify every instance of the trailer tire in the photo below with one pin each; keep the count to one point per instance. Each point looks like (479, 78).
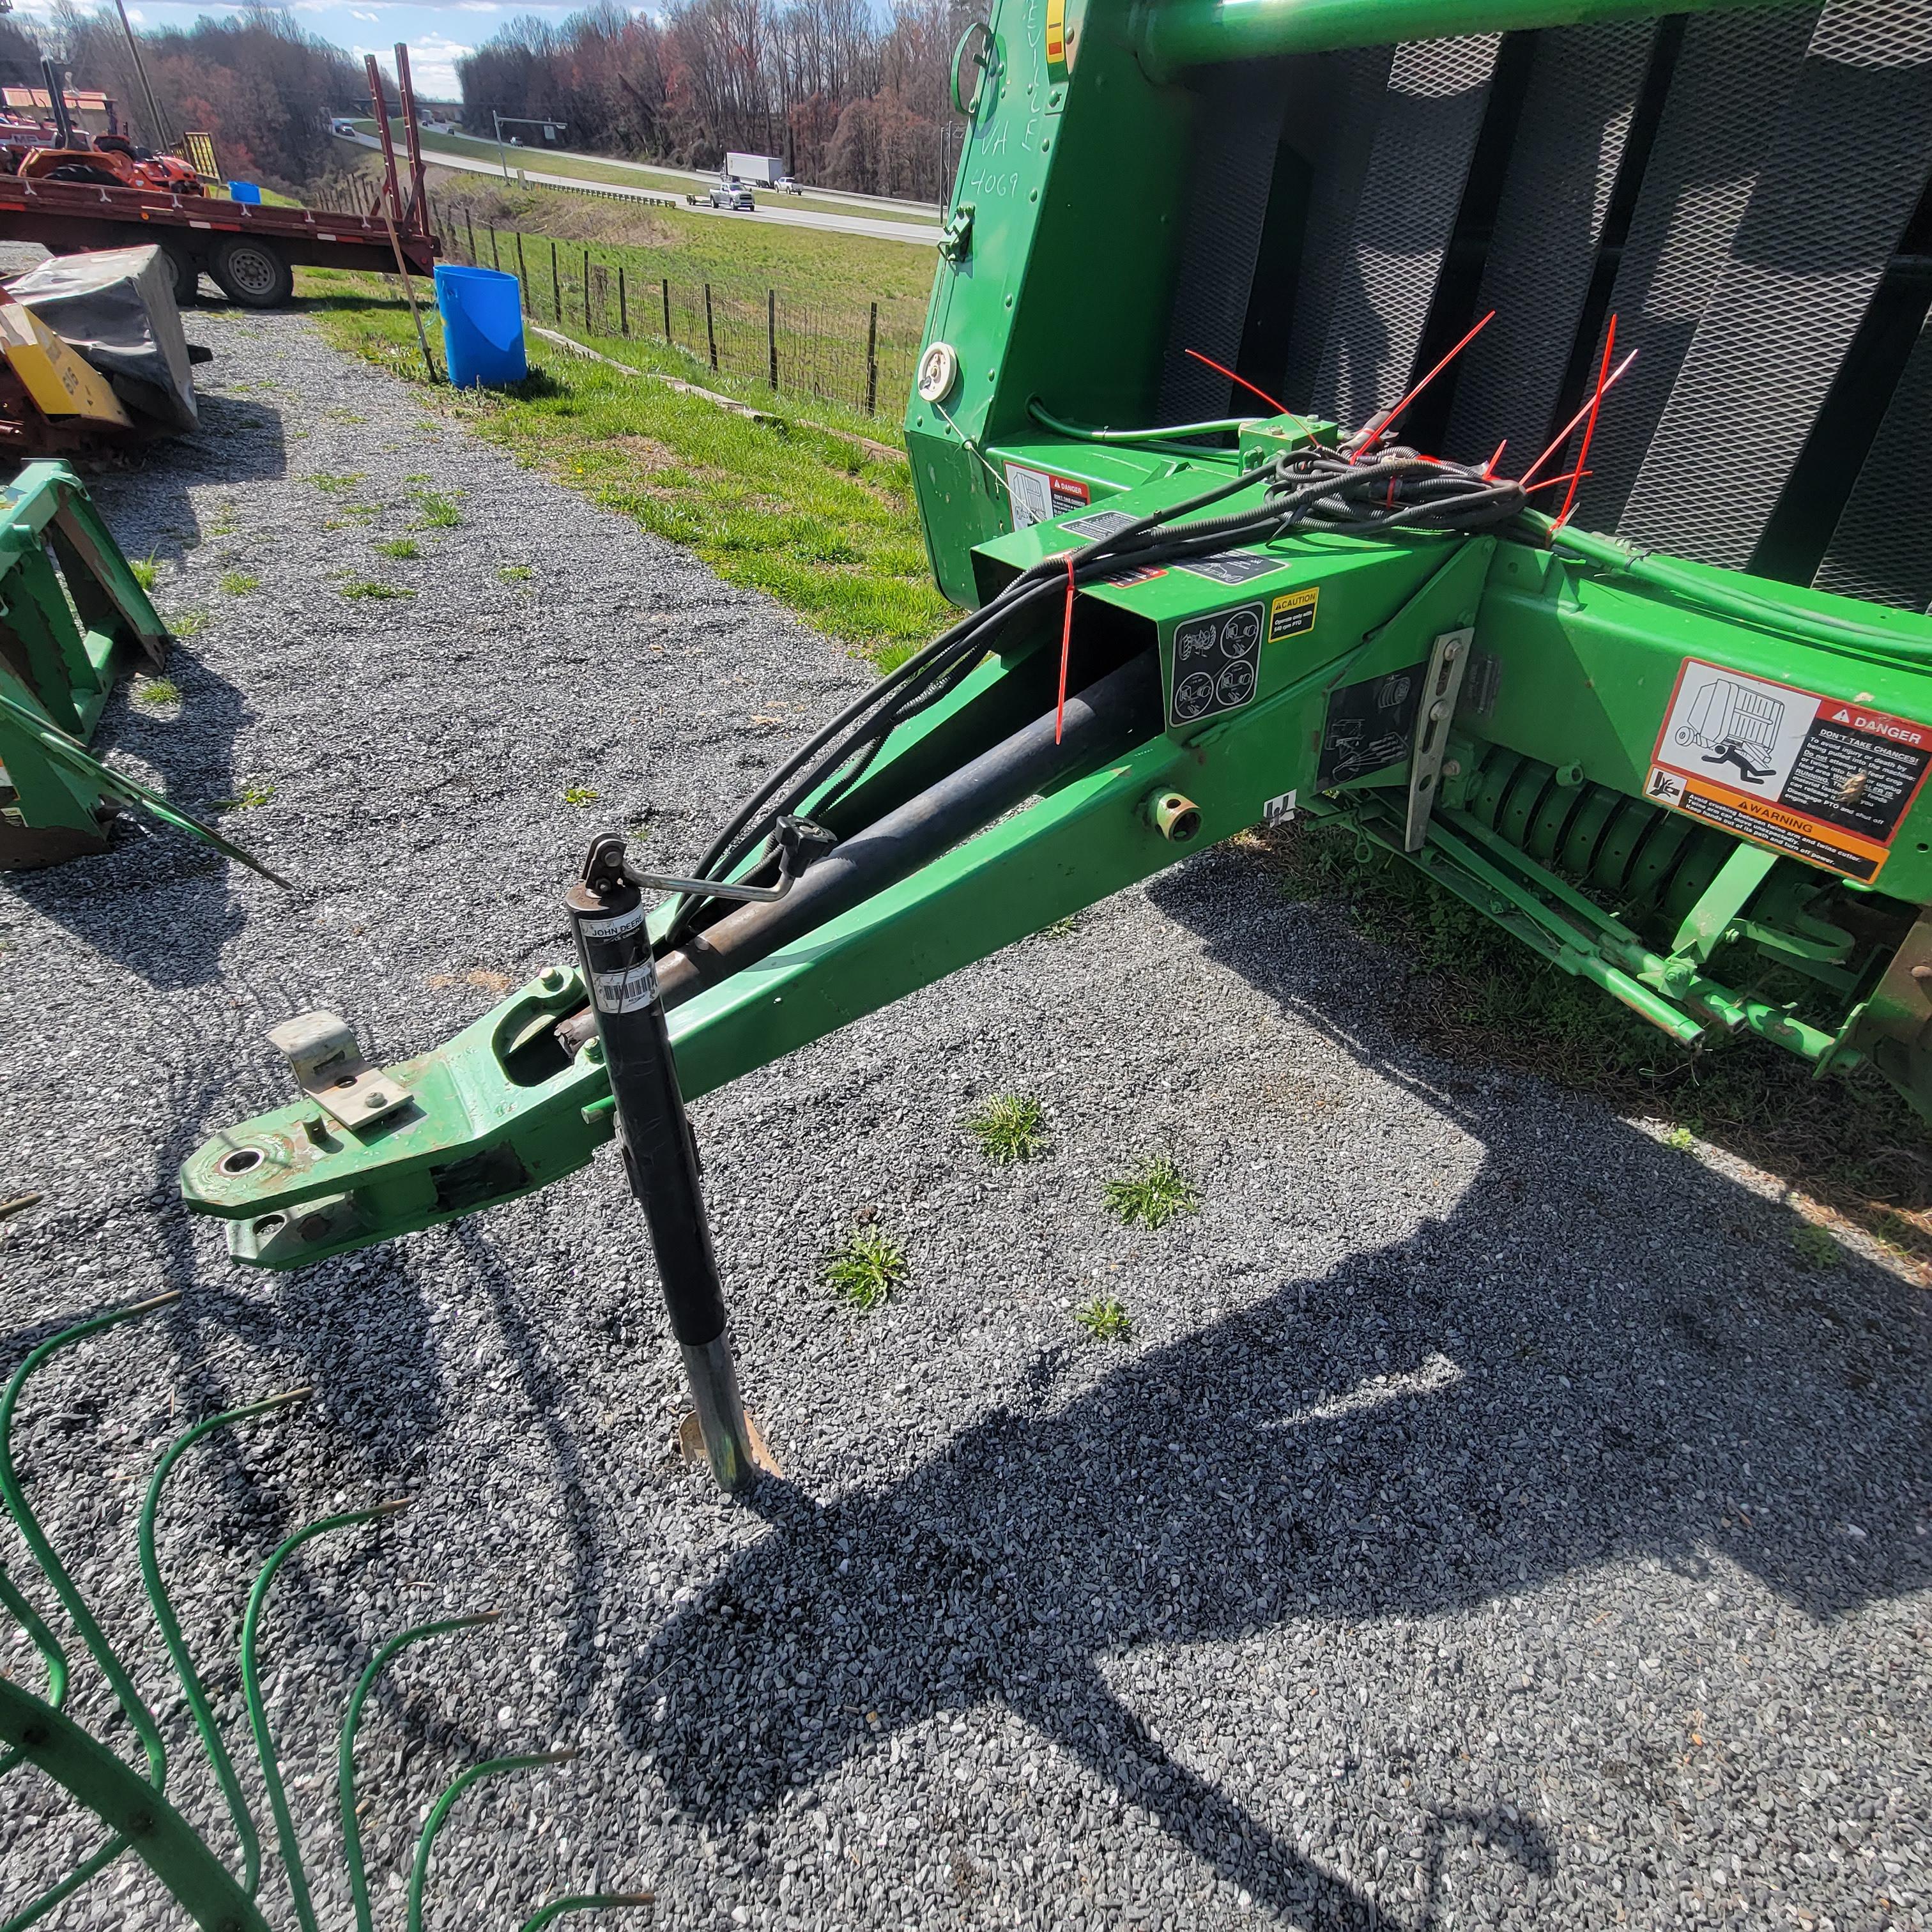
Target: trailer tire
(185, 271)
(252, 273)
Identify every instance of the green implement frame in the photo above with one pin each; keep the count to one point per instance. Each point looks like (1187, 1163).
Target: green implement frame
(73, 619)
(1701, 789)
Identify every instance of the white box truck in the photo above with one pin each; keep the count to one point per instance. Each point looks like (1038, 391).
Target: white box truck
(756, 170)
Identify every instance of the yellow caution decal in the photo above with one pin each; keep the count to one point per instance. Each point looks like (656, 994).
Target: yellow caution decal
(61, 382)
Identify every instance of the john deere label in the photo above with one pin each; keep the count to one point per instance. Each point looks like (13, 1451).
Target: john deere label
(1819, 778)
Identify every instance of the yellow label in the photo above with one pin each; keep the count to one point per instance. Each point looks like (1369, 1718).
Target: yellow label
(1292, 613)
(1056, 39)
(61, 383)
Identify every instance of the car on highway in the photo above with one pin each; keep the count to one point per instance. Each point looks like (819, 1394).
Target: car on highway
(732, 194)
(786, 185)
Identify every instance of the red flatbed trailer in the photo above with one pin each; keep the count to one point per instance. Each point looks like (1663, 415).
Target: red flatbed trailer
(249, 248)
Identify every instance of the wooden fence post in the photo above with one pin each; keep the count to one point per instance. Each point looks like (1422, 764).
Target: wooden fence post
(555, 289)
(493, 262)
(667, 303)
(523, 274)
(471, 225)
(587, 292)
(710, 329)
(623, 312)
(872, 363)
(771, 332)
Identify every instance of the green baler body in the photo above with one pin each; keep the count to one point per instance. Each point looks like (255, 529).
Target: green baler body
(1586, 800)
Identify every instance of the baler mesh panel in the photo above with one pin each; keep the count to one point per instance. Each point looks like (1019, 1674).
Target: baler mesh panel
(1240, 124)
(1882, 549)
(1583, 87)
(1846, 168)
(1733, 75)
(1430, 117)
(1360, 76)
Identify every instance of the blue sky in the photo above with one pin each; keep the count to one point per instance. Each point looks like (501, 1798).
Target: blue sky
(438, 34)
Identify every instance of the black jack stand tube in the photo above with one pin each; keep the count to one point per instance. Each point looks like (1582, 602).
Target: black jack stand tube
(660, 1155)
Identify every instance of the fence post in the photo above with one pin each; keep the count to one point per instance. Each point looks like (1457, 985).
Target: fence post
(667, 302)
(586, 293)
(523, 274)
(872, 363)
(471, 225)
(555, 289)
(771, 332)
(623, 312)
(710, 330)
(493, 262)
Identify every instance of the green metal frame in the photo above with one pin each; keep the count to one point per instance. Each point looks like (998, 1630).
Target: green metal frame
(73, 618)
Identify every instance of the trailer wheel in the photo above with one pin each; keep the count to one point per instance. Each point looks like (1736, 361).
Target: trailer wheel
(185, 271)
(252, 273)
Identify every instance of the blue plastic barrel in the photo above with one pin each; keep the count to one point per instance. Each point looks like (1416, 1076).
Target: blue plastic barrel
(482, 326)
(247, 191)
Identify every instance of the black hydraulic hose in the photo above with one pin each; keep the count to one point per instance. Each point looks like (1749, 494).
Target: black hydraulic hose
(1099, 722)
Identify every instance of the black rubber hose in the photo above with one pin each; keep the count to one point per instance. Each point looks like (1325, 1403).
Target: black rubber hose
(1100, 721)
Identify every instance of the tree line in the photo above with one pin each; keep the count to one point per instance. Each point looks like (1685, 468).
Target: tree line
(263, 88)
(846, 99)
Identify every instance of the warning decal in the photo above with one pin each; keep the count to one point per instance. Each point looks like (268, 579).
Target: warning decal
(1292, 613)
(1822, 779)
(1037, 496)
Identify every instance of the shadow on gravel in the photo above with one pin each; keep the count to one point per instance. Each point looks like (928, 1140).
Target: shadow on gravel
(1602, 1352)
(157, 901)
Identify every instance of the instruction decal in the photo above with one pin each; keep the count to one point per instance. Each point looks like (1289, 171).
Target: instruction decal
(1101, 524)
(1217, 662)
(1038, 496)
(1234, 566)
(1370, 725)
(1292, 613)
(1821, 778)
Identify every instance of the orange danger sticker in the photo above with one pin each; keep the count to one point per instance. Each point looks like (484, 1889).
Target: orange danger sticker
(1821, 778)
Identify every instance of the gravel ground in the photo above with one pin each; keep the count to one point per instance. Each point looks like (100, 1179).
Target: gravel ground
(1488, 1522)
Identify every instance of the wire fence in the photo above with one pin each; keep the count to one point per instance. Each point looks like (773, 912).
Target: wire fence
(837, 355)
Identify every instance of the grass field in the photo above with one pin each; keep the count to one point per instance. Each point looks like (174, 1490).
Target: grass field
(815, 518)
(610, 173)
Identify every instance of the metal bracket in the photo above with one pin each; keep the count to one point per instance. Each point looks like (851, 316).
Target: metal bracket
(329, 1068)
(955, 238)
(1433, 716)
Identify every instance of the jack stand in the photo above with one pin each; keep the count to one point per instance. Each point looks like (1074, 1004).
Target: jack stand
(660, 1154)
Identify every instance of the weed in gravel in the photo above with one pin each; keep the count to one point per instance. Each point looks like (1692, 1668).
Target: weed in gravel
(239, 582)
(435, 511)
(418, 476)
(868, 1269)
(1153, 1193)
(254, 792)
(1060, 929)
(1815, 1247)
(578, 794)
(1681, 1139)
(146, 571)
(364, 587)
(158, 691)
(402, 549)
(515, 573)
(1009, 1127)
(334, 485)
(187, 623)
(1105, 1318)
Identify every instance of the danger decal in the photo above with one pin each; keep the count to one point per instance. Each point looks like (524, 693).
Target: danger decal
(1037, 496)
(1821, 778)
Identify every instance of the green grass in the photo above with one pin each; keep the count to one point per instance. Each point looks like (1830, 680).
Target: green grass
(187, 623)
(158, 691)
(822, 523)
(1105, 1318)
(1153, 1193)
(1816, 1248)
(401, 549)
(145, 570)
(334, 485)
(1009, 1127)
(435, 511)
(254, 792)
(514, 573)
(359, 588)
(239, 582)
(867, 1270)
(577, 794)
